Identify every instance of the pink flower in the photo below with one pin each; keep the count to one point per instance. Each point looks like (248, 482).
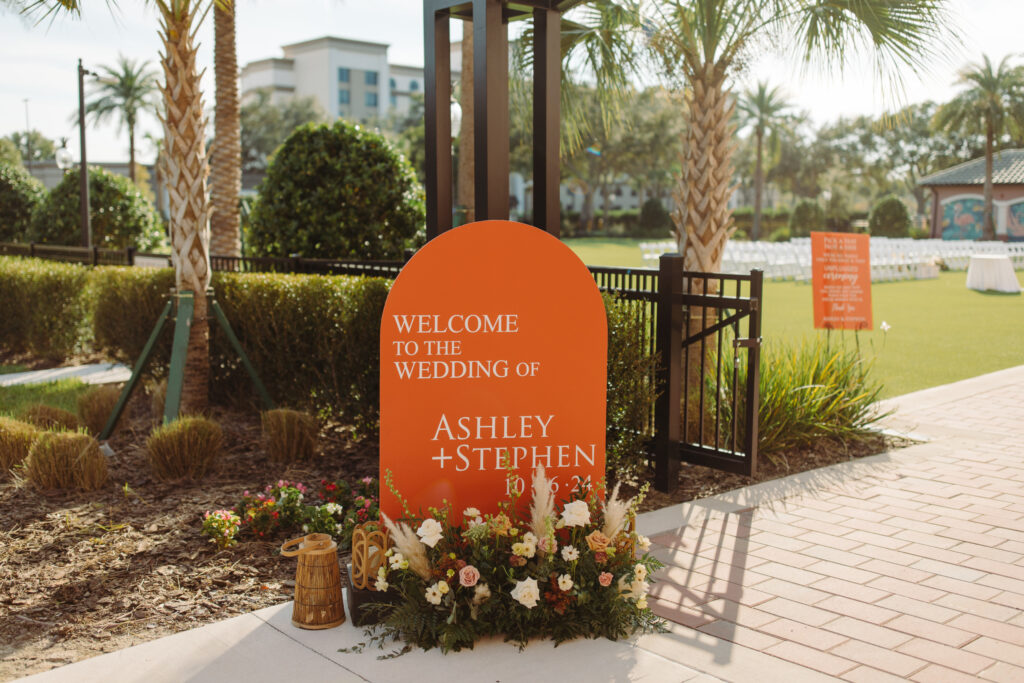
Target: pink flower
(605, 579)
(468, 576)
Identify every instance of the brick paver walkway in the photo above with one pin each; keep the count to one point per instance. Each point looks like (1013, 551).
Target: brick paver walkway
(908, 565)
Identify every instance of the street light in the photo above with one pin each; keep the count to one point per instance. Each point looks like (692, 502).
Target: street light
(83, 201)
(62, 156)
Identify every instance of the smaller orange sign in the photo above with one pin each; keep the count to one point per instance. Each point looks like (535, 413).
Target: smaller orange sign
(841, 275)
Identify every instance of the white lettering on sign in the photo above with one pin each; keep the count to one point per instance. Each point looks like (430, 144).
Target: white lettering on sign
(459, 323)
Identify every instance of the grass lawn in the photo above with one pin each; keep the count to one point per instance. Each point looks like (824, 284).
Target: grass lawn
(941, 331)
(11, 369)
(60, 394)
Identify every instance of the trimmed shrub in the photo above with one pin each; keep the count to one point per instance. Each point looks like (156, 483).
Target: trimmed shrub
(889, 218)
(20, 194)
(780, 235)
(96, 405)
(185, 448)
(654, 215)
(126, 303)
(120, 216)
(65, 460)
(289, 435)
(808, 215)
(631, 393)
(16, 439)
(48, 417)
(43, 308)
(337, 191)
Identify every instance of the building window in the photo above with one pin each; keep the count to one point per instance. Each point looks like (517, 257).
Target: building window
(343, 75)
(343, 97)
(394, 85)
(371, 78)
(414, 86)
(394, 101)
(371, 99)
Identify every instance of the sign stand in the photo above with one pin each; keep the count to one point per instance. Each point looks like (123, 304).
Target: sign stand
(182, 305)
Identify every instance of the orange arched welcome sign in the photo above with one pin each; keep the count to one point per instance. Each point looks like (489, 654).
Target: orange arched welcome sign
(493, 349)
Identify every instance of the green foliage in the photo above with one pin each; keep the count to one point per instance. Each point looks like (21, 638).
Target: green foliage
(780, 235)
(654, 215)
(20, 194)
(771, 220)
(66, 460)
(266, 124)
(61, 394)
(33, 146)
(807, 216)
(185, 448)
(289, 435)
(16, 439)
(337, 191)
(42, 307)
(889, 218)
(126, 303)
(119, 215)
(631, 392)
(49, 417)
(9, 154)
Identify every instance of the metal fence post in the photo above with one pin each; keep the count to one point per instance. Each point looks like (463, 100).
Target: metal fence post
(95, 255)
(754, 367)
(32, 249)
(129, 256)
(669, 337)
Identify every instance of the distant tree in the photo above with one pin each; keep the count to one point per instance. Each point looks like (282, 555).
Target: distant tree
(33, 146)
(9, 154)
(763, 109)
(266, 124)
(123, 91)
(991, 104)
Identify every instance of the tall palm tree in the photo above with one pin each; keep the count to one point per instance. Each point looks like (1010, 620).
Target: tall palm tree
(186, 171)
(701, 44)
(763, 109)
(991, 105)
(123, 91)
(226, 157)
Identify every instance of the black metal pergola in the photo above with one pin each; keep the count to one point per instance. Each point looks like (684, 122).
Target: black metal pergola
(491, 106)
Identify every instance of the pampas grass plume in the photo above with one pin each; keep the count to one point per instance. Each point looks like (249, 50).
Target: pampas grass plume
(543, 506)
(616, 511)
(409, 544)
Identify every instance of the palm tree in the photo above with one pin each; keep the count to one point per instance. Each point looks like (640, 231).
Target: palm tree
(701, 44)
(991, 105)
(226, 158)
(186, 171)
(763, 109)
(123, 91)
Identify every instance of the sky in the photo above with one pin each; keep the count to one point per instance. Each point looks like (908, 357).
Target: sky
(37, 62)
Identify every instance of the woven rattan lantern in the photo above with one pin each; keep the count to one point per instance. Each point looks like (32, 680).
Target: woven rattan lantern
(370, 541)
(318, 601)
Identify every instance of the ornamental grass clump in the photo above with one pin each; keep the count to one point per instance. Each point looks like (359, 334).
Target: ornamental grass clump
(50, 418)
(185, 448)
(66, 460)
(16, 438)
(555, 570)
(289, 435)
(96, 405)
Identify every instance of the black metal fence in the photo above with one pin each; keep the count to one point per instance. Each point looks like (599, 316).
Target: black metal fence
(698, 325)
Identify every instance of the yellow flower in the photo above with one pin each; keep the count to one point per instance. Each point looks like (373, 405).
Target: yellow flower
(442, 586)
(450, 573)
(597, 541)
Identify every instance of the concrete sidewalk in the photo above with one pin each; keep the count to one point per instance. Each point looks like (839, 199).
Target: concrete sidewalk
(99, 373)
(905, 565)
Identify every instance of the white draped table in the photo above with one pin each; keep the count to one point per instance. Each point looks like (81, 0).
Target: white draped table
(992, 272)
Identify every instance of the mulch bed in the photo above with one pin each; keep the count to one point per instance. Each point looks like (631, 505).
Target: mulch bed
(86, 573)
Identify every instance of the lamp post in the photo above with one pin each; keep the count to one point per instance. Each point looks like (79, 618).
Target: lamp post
(83, 201)
(62, 156)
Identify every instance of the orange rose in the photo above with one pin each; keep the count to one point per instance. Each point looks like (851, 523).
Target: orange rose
(597, 541)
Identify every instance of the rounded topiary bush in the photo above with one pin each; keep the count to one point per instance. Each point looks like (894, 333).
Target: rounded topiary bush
(337, 191)
(20, 194)
(65, 460)
(889, 218)
(808, 215)
(654, 215)
(120, 216)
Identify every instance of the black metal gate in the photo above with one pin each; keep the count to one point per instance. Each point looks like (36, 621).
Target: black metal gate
(709, 370)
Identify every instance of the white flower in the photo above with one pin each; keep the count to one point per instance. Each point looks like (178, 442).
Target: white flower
(404, 564)
(305, 528)
(470, 512)
(333, 508)
(430, 532)
(529, 538)
(481, 593)
(576, 513)
(634, 589)
(643, 543)
(381, 585)
(570, 554)
(396, 560)
(640, 572)
(642, 602)
(443, 587)
(338, 528)
(885, 327)
(565, 582)
(433, 595)
(526, 593)
(382, 572)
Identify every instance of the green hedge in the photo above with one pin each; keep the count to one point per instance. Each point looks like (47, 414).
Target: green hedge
(42, 307)
(20, 194)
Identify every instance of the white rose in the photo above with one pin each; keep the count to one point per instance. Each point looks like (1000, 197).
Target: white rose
(643, 543)
(529, 537)
(470, 512)
(526, 593)
(565, 582)
(576, 513)
(481, 593)
(570, 554)
(433, 595)
(381, 585)
(430, 532)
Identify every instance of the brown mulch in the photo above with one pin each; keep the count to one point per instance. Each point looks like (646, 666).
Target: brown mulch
(86, 573)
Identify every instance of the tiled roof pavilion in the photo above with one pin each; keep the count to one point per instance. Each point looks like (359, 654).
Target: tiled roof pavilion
(1007, 169)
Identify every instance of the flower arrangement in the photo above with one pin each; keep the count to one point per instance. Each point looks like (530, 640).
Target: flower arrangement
(281, 508)
(558, 574)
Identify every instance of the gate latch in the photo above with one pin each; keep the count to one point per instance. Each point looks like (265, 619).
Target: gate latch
(746, 343)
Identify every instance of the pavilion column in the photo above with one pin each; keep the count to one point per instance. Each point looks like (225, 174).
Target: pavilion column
(437, 120)
(547, 77)
(490, 109)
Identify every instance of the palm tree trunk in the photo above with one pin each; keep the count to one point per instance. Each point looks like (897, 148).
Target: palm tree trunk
(131, 151)
(187, 170)
(755, 231)
(464, 191)
(226, 160)
(703, 221)
(988, 228)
